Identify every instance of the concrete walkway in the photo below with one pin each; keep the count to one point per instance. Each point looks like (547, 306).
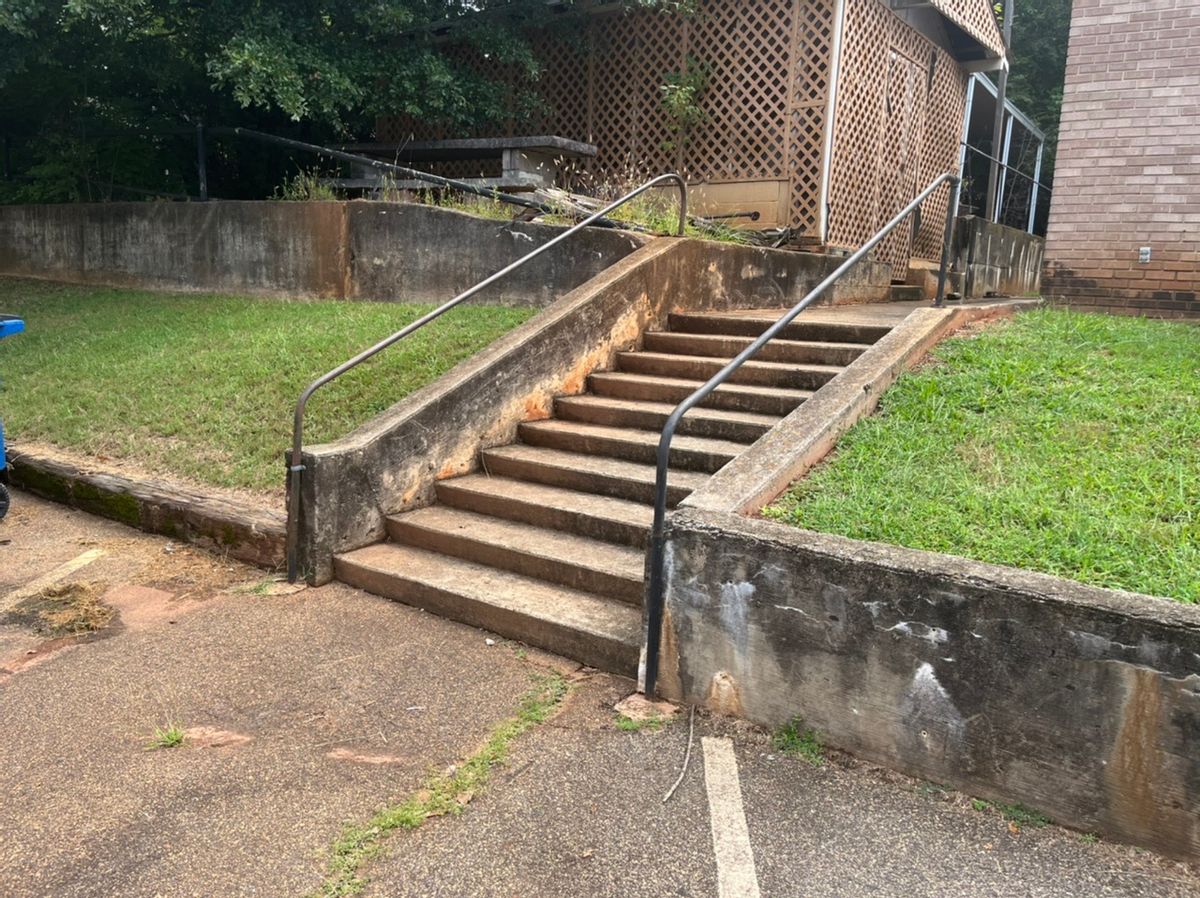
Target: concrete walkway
(308, 710)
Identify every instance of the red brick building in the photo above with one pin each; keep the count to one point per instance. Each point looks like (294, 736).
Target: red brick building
(1124, 233)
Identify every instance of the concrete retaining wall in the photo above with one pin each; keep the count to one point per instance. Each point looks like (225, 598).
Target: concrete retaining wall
(380, 251)
(1082, 703)
(375, 251)
(994, 259)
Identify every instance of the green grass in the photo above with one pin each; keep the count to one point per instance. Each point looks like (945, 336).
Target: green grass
(202, 385)
(651, 724)
(441, 795)
(1016, 814)
(1057, 442)
(795, 740)
(170, 736)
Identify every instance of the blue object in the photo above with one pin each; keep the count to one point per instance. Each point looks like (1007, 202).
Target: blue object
(9, 325)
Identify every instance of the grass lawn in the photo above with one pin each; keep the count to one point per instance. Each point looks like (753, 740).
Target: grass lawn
(1056, 442)
(203, 385)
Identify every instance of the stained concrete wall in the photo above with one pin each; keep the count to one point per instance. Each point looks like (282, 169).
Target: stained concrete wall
(428, 254)
(285, 248)
(995, 259)
(380, 251)
(377, 251)
(1083, 703)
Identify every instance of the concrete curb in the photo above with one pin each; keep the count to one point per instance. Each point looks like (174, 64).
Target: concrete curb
(223, 525)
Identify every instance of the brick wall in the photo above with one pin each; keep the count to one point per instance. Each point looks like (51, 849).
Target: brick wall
(1128, 171)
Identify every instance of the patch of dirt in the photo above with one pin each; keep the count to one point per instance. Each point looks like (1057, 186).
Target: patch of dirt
(63, 610)
(212, 737)
(141, 607)
(346, 754)
(638, 707)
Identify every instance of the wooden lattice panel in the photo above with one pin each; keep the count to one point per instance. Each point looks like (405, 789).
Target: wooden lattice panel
(764, 104)
(810, 86)
(898, 124)
(975, 17)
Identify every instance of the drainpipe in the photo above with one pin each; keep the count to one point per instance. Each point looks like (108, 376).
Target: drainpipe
(998, 127)
(835, 65)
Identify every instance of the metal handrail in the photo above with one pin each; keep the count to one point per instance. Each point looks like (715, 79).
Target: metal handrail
(296, 466)
(654, 597)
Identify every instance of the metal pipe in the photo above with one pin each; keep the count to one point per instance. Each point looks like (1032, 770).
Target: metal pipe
(948, 241)
(1013, 169)
(1033, 198)
(1004, 167)
(655, 589)
(202, 162)
(1001, 100)
(296, 462)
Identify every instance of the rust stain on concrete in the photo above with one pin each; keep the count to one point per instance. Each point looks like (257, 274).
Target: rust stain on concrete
(1135, 763)
(724, 697)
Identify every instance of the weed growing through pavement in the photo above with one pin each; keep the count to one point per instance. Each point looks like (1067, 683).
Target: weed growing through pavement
(443, 794)
(170, 736)
(797, 741)
(1016, 814)
(651, 724)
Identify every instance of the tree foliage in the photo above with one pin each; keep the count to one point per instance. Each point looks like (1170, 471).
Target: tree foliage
(1039, 62)
(322, 69)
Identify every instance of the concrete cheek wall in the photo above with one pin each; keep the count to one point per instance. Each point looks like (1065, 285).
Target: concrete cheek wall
(394, 462)
(1083, 703)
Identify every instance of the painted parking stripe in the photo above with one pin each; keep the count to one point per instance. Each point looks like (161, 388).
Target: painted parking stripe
(736, 876)
(63, 570)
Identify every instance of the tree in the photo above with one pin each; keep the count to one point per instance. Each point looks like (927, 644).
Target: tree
(1039, 62)
(71, 70)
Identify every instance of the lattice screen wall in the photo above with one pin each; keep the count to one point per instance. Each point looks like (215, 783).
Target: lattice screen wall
(898, 124)
(975, 17)
(765, 103)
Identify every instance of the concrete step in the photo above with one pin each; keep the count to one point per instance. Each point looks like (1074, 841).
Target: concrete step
(585, 514)
(740, 427)
(588, 473)
(750, 325)
(595, 631)
(770, 374)
(734, 397)
(802, 352)
(590, 565)
(688, 453)
(907, 293)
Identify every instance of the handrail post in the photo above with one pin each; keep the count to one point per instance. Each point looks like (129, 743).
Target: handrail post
(947, 241)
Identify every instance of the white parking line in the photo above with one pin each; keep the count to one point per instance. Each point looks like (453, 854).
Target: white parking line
(63, 570)
(736, 876)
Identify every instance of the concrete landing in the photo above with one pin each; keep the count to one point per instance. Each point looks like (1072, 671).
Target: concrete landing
(882, 313)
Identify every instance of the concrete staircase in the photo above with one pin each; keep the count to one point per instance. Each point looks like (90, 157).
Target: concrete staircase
(546, 544)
